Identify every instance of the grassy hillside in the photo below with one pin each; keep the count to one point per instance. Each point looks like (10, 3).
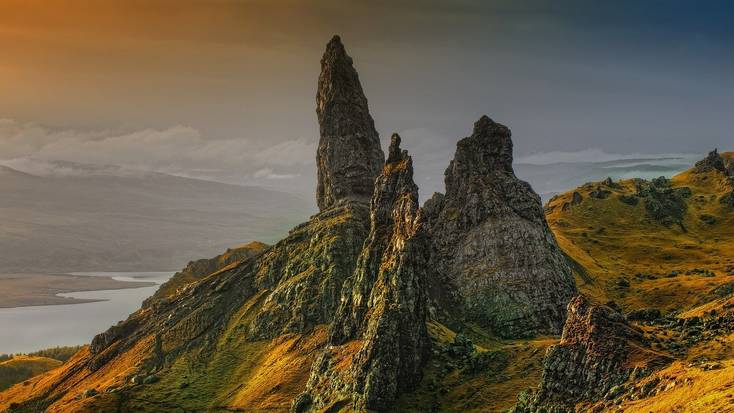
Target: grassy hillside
(20, 368)
(17, 368)
(196, 270)
(670, 247)
(663, 245)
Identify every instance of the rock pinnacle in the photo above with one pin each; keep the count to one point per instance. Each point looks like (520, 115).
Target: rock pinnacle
(349, 156)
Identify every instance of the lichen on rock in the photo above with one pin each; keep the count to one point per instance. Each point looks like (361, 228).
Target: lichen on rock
(349, 155)
(591, 361)
(491, 244)
(378, 341)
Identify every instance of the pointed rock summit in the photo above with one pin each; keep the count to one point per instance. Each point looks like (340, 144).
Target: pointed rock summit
(491, 242)
(349, 156)
(351, 308)
(487, 150)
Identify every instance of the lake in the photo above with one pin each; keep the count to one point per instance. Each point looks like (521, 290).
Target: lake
(27, 329)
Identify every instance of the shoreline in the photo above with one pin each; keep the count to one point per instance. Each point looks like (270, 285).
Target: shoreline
(19, 290)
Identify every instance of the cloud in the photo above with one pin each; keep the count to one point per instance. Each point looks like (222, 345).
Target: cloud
(178, 150)
(268, 173)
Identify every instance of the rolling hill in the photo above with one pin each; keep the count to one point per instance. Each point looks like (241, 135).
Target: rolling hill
(92, 218)
(667, 244)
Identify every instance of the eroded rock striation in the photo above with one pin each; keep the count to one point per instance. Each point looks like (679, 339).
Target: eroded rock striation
(378, 341)
(598, 351)
(491, 244)
(349, 155)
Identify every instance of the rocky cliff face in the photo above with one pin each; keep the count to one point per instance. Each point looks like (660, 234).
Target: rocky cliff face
(491, 243)
(349, 156)
(378, 341)
(598, 351)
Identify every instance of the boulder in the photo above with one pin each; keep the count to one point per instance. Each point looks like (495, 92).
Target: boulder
(592, 361)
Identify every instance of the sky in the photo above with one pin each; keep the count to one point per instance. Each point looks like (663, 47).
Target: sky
(225, 90)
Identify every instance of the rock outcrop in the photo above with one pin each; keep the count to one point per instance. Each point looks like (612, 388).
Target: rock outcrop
(663, 203)
(712, 162)
(349, 156)
(598, 351)
(491, 244)
(378, 341)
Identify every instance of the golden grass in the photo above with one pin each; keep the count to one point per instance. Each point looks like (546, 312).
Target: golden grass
(21, 368)
(484, 391)
(613, 240)
(689, 389)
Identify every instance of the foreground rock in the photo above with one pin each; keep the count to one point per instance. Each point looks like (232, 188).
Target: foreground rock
(349, 156)
(378, 341)
(598, 352)
(492, 244)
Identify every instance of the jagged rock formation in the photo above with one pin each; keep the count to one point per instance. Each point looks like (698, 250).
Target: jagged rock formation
(378, 341)
(663, 203)
(491, 242)
(595, 354)
(712, 162)
(349, 156)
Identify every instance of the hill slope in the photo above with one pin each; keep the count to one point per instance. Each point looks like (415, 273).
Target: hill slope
(20, 368)
(453, 306)
(104, 219)
(662, 252)
(667, 244)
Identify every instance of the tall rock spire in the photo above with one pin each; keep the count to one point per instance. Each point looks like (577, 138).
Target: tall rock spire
(349, 156)
(378, 342)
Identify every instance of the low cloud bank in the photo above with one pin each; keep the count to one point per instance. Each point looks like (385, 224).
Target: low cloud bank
(178, 150)
(287, 165)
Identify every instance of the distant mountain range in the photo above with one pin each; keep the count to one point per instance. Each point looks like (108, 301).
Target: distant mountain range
(75, 217)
